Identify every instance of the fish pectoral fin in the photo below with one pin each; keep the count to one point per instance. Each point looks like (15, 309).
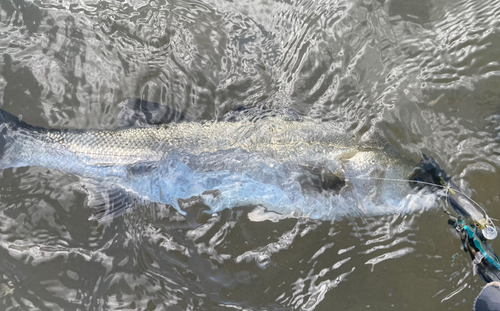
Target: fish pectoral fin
(109, 203)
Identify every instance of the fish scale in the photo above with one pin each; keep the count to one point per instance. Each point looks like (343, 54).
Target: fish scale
(272, 136)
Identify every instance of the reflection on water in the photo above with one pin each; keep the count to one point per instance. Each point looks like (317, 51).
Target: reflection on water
(422, 73)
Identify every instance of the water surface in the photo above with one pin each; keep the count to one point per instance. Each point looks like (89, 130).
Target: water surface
(424, 74)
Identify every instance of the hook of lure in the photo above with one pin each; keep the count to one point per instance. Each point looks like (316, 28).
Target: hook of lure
(461, 203)
(470, 209)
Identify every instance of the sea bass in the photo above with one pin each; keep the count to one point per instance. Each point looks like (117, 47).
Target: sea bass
(285, 165)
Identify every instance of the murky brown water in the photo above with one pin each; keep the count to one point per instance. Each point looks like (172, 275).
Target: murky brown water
(425, 74)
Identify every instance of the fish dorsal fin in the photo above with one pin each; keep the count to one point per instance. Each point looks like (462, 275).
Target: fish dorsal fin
(137, 112)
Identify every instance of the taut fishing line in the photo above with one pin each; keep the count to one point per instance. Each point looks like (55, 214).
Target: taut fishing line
(489, 221)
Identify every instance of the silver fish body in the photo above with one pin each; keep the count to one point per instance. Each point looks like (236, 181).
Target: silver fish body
(314, 167)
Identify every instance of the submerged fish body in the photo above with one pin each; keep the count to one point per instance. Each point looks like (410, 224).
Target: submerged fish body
(285, 165)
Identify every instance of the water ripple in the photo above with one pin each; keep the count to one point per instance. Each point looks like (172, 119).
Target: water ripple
(423, 74)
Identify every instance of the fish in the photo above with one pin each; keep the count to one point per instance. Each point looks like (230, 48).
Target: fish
(282, 162)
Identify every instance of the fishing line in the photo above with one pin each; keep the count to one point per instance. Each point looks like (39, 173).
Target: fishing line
(406, 180)
(489, 220)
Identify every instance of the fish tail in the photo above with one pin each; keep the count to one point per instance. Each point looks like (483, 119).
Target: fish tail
(10, 130)
(13, 122)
